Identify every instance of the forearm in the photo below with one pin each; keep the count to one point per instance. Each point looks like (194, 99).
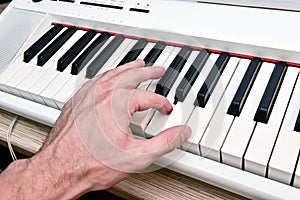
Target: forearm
(50, 174)
(59, 171)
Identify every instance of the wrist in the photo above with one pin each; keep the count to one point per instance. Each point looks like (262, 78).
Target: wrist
(57, 176)
(10, 180)
(36, 178)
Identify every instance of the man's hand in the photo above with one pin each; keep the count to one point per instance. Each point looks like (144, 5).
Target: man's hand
(91, 147)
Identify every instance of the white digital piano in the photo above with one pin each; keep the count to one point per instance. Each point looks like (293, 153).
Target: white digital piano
(232, 74)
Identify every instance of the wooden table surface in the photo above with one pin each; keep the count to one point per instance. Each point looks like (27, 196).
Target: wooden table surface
(28, 136)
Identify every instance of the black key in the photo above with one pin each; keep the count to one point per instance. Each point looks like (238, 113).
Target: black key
(190, 77)
(55, 45)
(211, 80)
(134, 52)
(154, 53)
(167, 80)
(101, 59)
(297, 125)
(245, 86)
(269, 97)
(88, 53)
(70, 55)
(42, 42)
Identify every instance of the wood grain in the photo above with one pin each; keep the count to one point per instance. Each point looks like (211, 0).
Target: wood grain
(28, 136)
(2, 6)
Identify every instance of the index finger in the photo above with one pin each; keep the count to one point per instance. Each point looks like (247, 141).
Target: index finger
(143, 100)
(131, 78)
(116, 71)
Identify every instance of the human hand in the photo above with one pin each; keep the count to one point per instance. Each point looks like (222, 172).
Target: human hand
(91, 146)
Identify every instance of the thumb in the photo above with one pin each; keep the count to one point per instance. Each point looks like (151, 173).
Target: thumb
(167, 140)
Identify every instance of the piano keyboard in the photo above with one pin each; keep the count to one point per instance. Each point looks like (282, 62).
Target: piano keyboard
(237, 106)
(244, 110)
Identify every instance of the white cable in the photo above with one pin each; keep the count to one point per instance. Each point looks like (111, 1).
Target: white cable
(8, 138)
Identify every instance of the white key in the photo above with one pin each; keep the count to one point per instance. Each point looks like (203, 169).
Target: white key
(15, 67)
(9, 72)
(28, 73)
(218, 126)
(297, 174)
(66, 92)
(55, 86)
(74, 83)
(193, 120)
(264, 135)
(61, 78)
(181, 111)
(201, 116)
(30, 79)
(163, 61)
(18, 77)
(38, 73)
(128, 48)
(40, 85)
(146, 50)
(116, 55)
(35, 75)
(111, 38)
(141, 119)
(240, 132)
(144, 85)
(286, 150)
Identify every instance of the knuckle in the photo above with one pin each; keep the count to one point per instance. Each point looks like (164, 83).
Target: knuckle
(104, 86)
